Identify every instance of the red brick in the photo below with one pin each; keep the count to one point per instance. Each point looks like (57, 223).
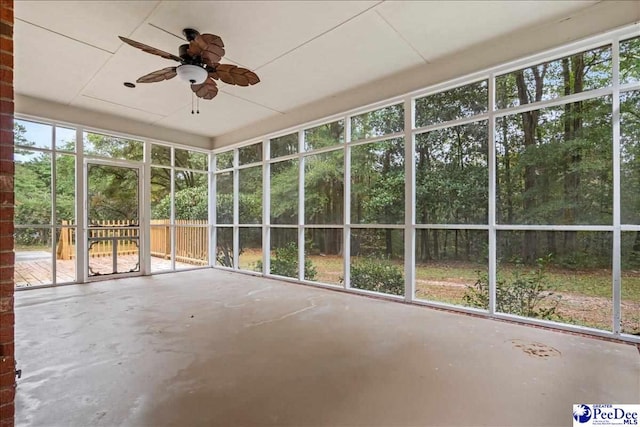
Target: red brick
(7, 395)
(6, 304)
(6, 136)
(6, 214)
(7, 107)
(6, 349)
(6, 273)
(6, 183)
(7, 319)
(6, 152)
(7, 410)
(6, 44)
(6, 333)
(6, 243)
(6, 120)
(7, 167)
(6, 198)
(6, 14)
(7, 288)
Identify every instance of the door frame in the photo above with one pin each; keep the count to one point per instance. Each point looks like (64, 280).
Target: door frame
(143, 228)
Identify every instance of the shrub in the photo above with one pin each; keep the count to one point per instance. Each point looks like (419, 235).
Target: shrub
(377, 275)
(525, 295)
(285, 263)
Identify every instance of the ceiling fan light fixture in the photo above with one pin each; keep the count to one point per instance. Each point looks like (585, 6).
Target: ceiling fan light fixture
(192, 74)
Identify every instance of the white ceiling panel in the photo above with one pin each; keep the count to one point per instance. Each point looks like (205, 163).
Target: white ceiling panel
(51, 66)
(115, 109)
(438, 28)
(256, 32)
(222, 114)
(93, 22)
(161, 98)
(364, 50)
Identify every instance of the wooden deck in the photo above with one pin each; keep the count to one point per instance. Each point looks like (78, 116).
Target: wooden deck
(35, 269)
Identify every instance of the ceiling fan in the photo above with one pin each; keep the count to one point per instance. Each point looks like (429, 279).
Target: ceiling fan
(199, 64)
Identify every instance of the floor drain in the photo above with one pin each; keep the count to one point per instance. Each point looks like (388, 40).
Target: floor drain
(536, 349)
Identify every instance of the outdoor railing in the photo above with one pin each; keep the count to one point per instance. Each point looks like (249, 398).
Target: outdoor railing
(192, 240)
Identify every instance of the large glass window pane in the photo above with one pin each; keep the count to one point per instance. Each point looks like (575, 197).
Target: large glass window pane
(191, 159)
(377, 182)
(324, 261)
(284, 252)
(631, 282)
(160, 155)
(224, 247)
(191, 197)
(224, 198)
(250, 154)
(284, 145)
(192, 246)
(573, 74)
(33, 257)
(379, 122)
(452, 177)
(284, 192)
(32, 134)
(630, 157)
(224, 160)
(250, 195)
(160, 219)
(250, 257)
(65, 139)
(324, 135)
(377, 260)
(324, 188)
(65, 255)
(630, 60)
(563, 276)
(457, 103)
(114, 147)
(555, 165)
(450, 264)
(32, 187)
(65, 189)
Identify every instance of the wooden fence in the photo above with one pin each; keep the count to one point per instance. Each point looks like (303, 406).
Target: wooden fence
(192, 239)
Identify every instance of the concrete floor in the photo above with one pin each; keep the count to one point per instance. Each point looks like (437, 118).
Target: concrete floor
(208, 347)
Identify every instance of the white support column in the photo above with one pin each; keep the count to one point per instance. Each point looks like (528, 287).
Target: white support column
(236, 208)
(301, 205)
(212, 210)
(81, 229)
(346, 230)
(266, 206)
(145, 212)
(616, 270)
(54, 216)
(172, 214)
(409, 202)
(491, 144)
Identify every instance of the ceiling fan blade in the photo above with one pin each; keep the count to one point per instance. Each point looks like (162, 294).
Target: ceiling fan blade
(234, 75)
(206, 90)
(149, 49)
(158, 76)
(209, 47)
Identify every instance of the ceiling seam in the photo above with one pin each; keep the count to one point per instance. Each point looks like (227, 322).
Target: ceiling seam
(402, 37)
(65, 36)
(253, 102)
(320, 35)
(111, 57)
(120, 105)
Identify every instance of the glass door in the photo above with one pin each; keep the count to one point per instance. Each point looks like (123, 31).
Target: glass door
(113, 219)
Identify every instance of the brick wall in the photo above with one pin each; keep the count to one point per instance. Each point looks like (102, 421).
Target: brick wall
(7, 361)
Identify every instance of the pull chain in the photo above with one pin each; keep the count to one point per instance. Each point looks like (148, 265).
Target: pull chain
(192, 96)
(198, 105)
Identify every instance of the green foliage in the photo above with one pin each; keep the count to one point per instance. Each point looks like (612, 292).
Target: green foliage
(378, 275)
(191, 203)
(526, 294)
(284, 262)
